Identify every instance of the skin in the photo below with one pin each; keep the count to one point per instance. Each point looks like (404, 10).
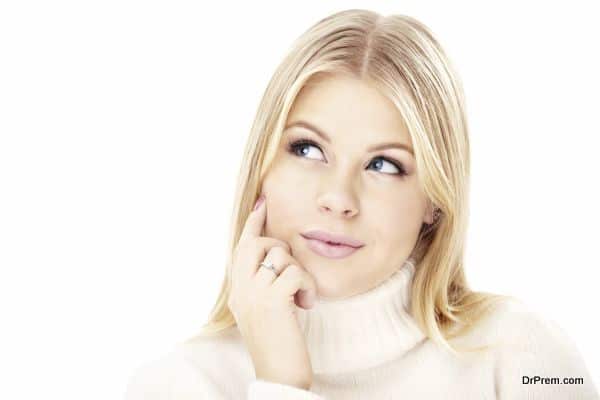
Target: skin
(341, 187)
(264, 305)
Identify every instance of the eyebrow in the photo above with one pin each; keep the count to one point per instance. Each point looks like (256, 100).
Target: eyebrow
(381, 146)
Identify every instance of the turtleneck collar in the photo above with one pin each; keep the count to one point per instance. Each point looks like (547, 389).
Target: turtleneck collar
(363, 330)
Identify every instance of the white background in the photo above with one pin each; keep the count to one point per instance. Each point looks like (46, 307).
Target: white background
(122, 127)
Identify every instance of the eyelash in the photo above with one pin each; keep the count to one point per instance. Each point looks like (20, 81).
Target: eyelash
(295, 144)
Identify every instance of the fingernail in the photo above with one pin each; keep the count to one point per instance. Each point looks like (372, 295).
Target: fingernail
(259, 201)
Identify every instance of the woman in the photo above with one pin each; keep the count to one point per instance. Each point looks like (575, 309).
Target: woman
(346, 280)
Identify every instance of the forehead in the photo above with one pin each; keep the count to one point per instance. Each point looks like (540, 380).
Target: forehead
(341, 104)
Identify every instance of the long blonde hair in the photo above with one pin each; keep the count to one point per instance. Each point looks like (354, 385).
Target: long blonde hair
(402, 58)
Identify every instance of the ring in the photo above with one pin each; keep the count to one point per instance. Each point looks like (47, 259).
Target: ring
(269, 266)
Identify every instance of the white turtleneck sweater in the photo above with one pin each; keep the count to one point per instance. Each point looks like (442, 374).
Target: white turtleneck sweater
(368, 347)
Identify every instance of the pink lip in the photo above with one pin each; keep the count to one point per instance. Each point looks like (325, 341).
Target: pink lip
(329, 250)
(318, 243)
(330, 237)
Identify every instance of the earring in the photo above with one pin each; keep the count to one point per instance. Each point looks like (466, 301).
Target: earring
(436, 214)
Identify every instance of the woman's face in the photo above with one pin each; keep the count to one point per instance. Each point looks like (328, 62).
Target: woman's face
(343, 186)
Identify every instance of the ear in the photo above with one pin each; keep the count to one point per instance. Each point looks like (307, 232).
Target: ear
(428, 218)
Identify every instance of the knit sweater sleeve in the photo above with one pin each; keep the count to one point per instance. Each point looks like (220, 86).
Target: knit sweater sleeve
(149, 381)
(264, 390)
(155, 380)
(173, 377)
(540, 361)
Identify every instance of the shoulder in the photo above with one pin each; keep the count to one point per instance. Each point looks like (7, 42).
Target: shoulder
(208, 367)
(225, 348)
(514, 325)
(151, 379)
(527, 344)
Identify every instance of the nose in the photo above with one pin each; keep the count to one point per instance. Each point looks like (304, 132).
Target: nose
(338, 194)
(336, 204)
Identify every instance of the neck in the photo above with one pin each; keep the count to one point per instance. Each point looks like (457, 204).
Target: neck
(363, 330)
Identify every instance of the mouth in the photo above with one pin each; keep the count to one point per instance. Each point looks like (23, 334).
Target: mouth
(330, 249)
(333, 238)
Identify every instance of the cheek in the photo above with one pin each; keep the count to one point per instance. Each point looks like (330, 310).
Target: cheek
(283, 183)
(288, 197)
(396, 220)
(291, 183)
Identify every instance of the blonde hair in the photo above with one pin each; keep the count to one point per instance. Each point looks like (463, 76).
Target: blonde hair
(402, 58)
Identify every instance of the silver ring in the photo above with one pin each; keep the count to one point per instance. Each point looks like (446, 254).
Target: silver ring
(269, 266)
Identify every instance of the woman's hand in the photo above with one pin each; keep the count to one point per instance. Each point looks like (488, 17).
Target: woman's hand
(264, 305)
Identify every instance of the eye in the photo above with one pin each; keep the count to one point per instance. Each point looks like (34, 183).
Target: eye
(301, 147)
(397, 167)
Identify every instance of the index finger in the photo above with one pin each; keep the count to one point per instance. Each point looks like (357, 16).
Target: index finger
(256, 220)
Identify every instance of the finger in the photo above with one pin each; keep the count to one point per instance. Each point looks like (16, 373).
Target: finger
(255, 222)
(292, 280)
(251, 253)
(280, 259)
(266, 243)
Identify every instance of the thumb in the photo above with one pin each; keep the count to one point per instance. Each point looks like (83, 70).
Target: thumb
(296, 281)
(305, 298)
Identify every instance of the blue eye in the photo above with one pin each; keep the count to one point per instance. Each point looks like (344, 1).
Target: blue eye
(379, 160)
(300, 145)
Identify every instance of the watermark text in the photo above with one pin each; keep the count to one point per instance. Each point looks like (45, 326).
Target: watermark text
(542, 380)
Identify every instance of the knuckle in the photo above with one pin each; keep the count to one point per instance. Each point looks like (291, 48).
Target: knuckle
(243, 245)
(262, 241)
(292, 274)
(284, 245)
(245, 248)
(292, 271)
(278, 252)
(272, 242)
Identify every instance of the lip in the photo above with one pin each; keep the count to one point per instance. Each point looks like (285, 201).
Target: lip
(328, 250)
(332, 237)
(317, 242)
